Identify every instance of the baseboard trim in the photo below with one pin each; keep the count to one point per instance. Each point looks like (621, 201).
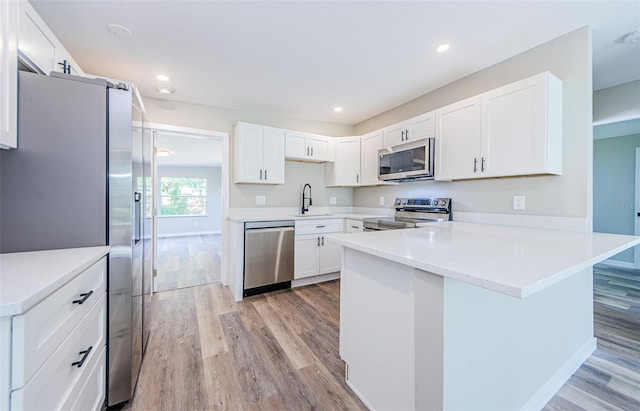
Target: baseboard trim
(544, 395)
(189, 234)
(355, 391)
(315, 279)
(621, 264)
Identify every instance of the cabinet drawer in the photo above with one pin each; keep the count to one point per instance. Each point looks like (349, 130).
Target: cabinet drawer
(353, 226)
(319, 226)
(38, 332)
(89, 394)
(56, 379)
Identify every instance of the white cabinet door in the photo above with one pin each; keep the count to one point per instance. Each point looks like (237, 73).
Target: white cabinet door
(308, 147)
(320, 148)
(248, 152)
(258, 154)
(330, 256)
(273, 152)
(458, 140)
(370, 144)
(416, 128)
(422, 126)
(8, 74)
(36, 45)
(307, 256)
(521, 126)
(296, 146)
(394, 135)
(345, 171)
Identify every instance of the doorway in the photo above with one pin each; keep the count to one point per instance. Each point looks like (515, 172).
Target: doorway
(190, 207)
(616, 185)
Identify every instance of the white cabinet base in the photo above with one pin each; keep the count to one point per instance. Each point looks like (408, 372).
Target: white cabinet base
(315, 279)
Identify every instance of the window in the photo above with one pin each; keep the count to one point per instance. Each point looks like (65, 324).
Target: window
(181, 196)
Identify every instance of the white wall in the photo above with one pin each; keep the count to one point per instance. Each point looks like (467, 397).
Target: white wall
(618, 103)
(220, 119)
(569, 195)
(212, 222)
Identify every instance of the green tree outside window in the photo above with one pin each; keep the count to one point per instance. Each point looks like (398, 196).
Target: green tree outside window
(180, 196)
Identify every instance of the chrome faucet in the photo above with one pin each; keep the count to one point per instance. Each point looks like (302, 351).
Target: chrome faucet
(306, 198)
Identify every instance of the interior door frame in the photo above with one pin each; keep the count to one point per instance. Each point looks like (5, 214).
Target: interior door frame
(636, 249)
(224, 176)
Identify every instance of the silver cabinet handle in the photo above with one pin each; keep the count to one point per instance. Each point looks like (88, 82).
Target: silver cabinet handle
(265, 174)
(355, 226)
(260, 174)
(323, 241)
(475, 165)
(482, 168)
(406, 134)
(307, 150)
(320, 226)
(311, 151)
(402, 135)
(357, 178)
(318, 241)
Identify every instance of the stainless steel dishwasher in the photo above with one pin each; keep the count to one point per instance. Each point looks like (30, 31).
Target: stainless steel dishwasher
(268, 256)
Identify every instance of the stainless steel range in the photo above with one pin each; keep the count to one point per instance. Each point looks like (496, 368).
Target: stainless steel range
(411, 213)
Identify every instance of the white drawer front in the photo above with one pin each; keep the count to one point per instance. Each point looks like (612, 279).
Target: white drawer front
(38, 332)
(319, 226)
(89, 394)
(353, 226)
(53, 383)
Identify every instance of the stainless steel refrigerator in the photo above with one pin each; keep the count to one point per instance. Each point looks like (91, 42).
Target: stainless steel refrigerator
(80, 177)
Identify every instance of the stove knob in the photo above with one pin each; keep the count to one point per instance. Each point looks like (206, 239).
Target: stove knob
(398, 202)
(404, 202)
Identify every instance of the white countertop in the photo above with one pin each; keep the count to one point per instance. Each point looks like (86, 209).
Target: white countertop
(510, 260)
(28, 278)
(273, 217)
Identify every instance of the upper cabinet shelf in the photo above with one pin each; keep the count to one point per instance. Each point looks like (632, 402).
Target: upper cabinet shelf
(515, 130)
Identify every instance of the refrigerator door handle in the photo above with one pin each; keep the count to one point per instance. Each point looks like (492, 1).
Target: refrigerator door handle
(137, 236)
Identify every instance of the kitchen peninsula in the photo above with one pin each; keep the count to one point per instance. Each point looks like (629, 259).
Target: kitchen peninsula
(467, 316)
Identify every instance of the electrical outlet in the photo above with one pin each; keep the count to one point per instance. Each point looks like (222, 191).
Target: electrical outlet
(518, 202)
(381, 200)
(261, 200)
(332, 200)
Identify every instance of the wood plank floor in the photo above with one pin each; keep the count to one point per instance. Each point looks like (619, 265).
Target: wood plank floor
(280, 351)
(270, 352)
(187, 261)
(610, 378)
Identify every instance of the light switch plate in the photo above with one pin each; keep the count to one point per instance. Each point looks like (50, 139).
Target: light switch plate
(381, 200)
(332, 200)
(518, 202)
(261, 200)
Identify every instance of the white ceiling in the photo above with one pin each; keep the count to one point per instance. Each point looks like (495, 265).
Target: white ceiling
(301, 58)
(187, 150)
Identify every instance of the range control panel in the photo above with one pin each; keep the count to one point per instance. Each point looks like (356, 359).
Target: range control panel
(423, 203)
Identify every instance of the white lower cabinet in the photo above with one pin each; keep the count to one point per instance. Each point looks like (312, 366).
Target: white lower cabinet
(313, 254)
(58, 347)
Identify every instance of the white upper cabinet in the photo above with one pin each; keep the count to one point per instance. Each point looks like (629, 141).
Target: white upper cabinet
(258, 154)
(522, 128)
(308, 147)
(8, 74)
(458, 139)
(513, 130)
(38, 47)
(369, 159)
(416, 128)
(345, 170)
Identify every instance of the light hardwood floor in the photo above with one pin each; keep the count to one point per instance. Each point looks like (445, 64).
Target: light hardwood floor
(187, 261)
(610, 378)
(279, 351)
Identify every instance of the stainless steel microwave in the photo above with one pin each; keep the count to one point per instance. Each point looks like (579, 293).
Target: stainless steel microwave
(407, 162)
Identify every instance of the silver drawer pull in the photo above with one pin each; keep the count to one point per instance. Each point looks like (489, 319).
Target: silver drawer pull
(354, 226)
(84, 298)
(320, 226)
(84, 354)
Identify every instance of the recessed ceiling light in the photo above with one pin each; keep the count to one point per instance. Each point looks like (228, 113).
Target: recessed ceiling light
(162, 153)
(632, 37)
(442, 48)
(337, 109)
(162, 77)
(165, 90)
(119, 31)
